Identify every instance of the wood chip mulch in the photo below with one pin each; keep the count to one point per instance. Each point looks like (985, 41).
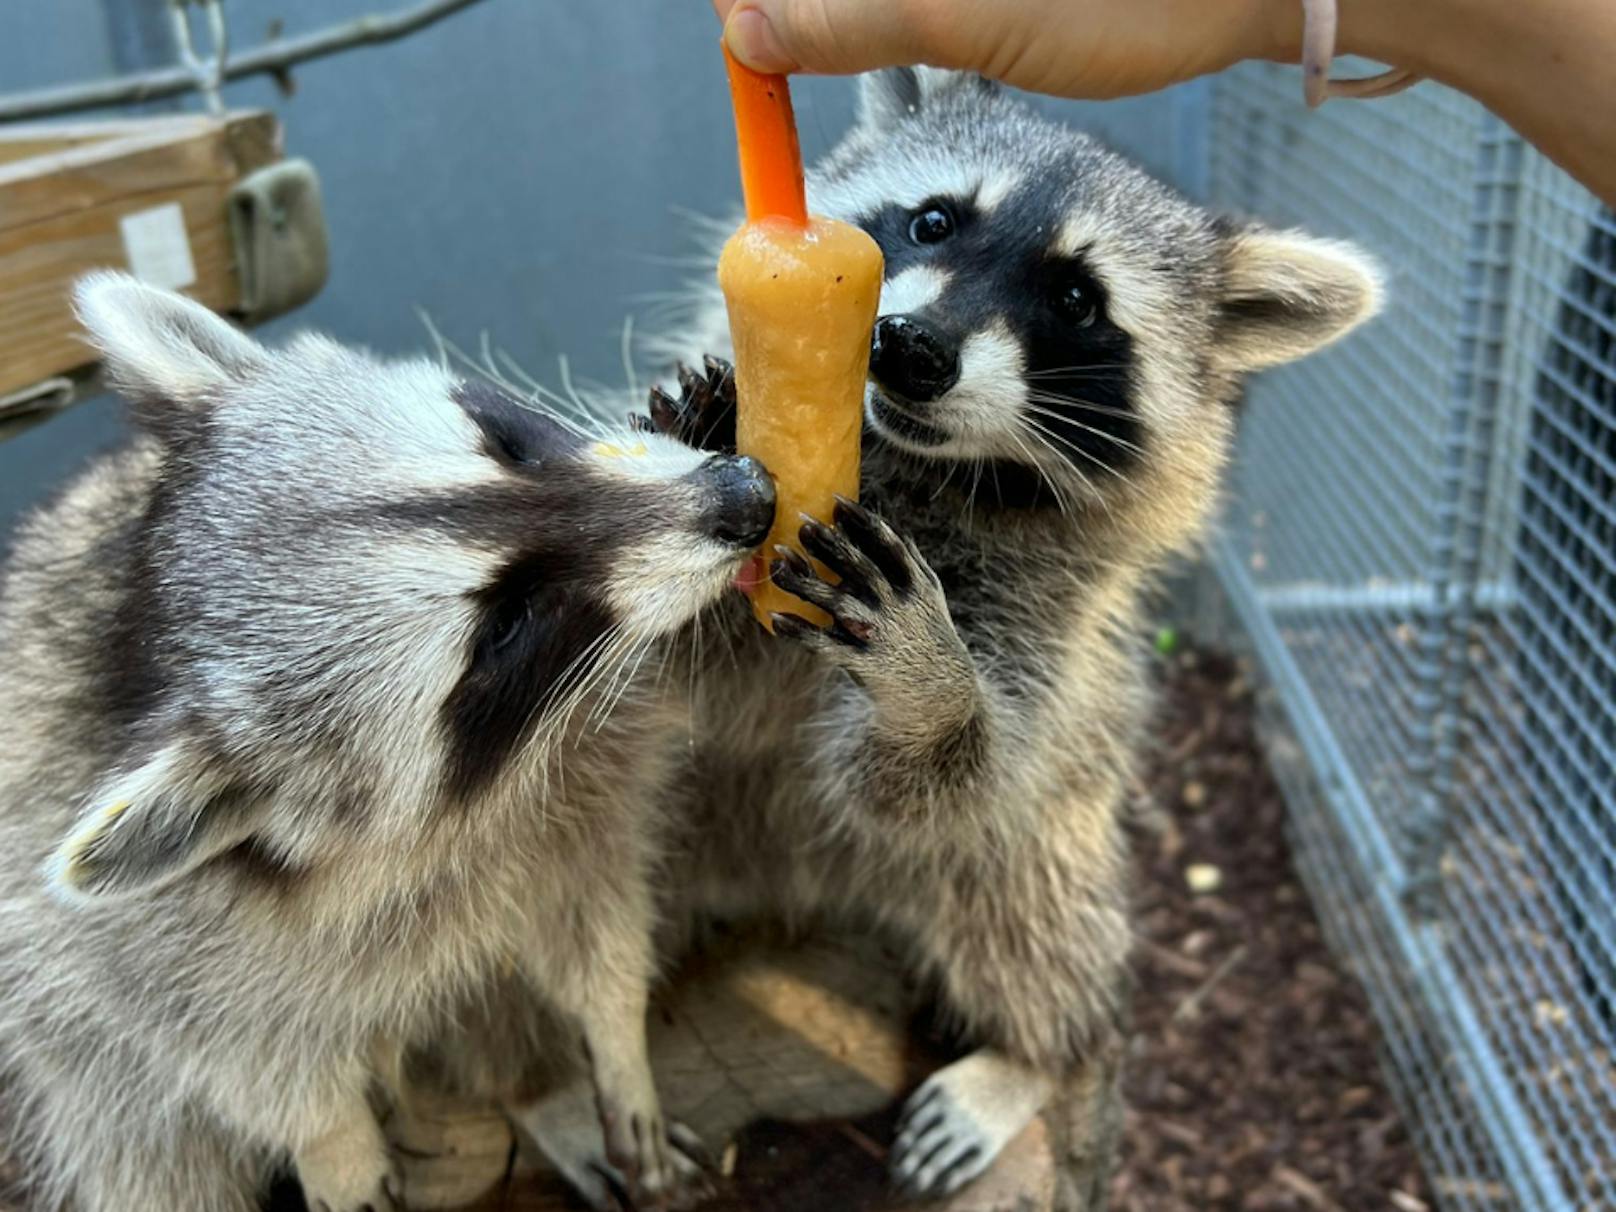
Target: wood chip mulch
(1252, 1082)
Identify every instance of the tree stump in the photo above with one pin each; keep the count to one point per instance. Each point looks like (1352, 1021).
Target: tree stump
(791, 1063)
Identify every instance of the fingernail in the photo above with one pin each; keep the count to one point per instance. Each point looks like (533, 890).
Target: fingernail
(751, 38)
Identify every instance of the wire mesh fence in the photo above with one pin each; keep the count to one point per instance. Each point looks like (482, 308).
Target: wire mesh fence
(1421, 548)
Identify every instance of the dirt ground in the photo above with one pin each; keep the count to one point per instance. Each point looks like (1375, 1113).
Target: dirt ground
(1252, 1080)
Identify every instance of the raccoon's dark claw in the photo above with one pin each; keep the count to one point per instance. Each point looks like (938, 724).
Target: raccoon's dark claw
(665, 413)
(793, 626)
(888, 609)
(878, 541)
(703, 415)
(868, 557)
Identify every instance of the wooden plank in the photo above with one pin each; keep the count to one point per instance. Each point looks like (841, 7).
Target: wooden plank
(39, 335)
(98, 172)
(21, 140)
(80, 130)
(60, 217)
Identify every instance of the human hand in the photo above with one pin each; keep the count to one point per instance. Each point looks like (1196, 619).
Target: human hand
(1073, 48)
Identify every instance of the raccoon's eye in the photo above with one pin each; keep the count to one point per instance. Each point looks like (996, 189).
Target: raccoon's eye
(931, 225)
(1078, 302)
(509, 619)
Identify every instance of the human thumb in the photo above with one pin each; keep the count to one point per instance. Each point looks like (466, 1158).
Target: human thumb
(834, 37)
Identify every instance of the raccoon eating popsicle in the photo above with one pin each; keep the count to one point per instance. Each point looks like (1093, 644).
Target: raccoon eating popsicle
(802, 294)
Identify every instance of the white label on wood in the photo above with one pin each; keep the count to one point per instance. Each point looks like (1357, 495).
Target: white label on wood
(155, 242)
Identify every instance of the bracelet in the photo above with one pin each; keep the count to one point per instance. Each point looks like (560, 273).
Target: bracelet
(1318, 49)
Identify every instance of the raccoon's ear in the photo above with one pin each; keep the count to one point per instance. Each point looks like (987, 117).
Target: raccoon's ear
(148, 826)
(1286, 294)
(158, 345)
(896, 93)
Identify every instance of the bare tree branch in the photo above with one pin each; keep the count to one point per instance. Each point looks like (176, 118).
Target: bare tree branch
(273, 58)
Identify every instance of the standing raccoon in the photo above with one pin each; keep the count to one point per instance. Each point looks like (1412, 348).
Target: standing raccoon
(288, 685)
(1060, 346)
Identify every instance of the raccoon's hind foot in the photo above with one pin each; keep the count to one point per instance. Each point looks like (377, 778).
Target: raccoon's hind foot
(568, 1132)
(704, 414)
(658, 1158)
(350, 1170)
(954, 1126)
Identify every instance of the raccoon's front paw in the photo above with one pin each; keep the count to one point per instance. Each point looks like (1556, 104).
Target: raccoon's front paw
(704, 414)
(889, 622)
(350, 1171)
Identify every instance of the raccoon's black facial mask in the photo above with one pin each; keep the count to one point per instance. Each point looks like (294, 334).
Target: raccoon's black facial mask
(596, 553)
(998, 269)
(536, 637)
(541, 619)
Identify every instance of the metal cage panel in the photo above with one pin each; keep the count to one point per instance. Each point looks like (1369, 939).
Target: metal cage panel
(1421, 546)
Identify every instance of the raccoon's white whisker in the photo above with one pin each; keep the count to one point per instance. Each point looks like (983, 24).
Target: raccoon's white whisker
(516, 371)
(551, 400)
(1066, 372)
(425, 317)
(530, 394)
(576, 683)
(485, 346)
(626, 348)
(1061, 501)
(566, 681)
(628, 666)
(710, 225)
(565, 367)
(676, 298)
(604, 670)
(1056, 444)
(695, 664)
(1038, 397)
(1099, 433)
(946, 480)
(622, 676)
(1069, 403)
(535, 397)
(969, 512)
(1042, 437)
(1068, 444)
(902, 411)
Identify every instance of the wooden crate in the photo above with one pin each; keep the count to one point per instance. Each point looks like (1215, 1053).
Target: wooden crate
(144, 194)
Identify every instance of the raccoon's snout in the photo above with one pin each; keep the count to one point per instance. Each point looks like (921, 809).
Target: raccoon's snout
(740, 499)
(912, 360)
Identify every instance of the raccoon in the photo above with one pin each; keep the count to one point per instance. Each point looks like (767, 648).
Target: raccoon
(1053, 381)
(319, 711)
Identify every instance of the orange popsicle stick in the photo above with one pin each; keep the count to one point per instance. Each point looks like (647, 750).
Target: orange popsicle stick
(766, 134)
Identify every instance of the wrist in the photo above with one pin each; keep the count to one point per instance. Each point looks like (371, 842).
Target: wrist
(1398, 33)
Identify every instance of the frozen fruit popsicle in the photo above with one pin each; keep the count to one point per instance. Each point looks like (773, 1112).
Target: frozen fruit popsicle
(802, 294)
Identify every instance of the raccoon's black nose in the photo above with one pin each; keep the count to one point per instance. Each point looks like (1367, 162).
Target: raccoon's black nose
(740, 505)
(913, 360)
